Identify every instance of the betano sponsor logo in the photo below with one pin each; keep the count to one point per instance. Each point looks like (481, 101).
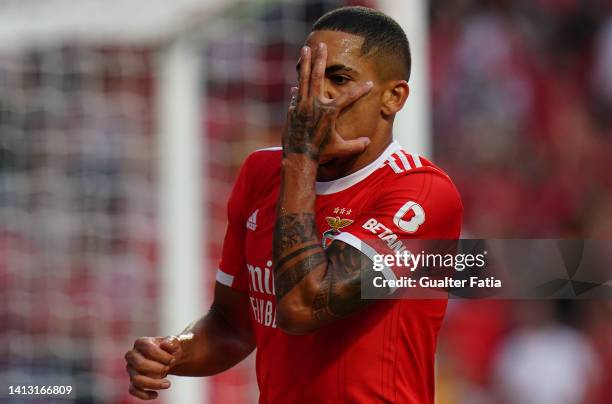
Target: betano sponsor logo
(385, 234)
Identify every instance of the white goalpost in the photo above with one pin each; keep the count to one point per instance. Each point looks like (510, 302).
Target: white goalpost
(412, 126)
(181, 152)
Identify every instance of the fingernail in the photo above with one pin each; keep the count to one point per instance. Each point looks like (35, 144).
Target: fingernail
(165, 385)
(321, 45)
(305, 50)
(369, 83)
(172, 362)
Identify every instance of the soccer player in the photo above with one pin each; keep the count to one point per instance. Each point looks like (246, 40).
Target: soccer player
(305, 221)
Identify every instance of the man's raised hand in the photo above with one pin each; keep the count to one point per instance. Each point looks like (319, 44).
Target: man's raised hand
(311, 117)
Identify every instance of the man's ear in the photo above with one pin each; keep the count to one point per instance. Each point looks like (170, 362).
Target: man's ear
(394, 97)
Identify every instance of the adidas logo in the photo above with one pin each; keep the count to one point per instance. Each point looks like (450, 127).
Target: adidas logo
(251, 223)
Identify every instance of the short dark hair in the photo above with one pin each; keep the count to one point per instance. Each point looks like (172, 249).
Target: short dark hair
(383, 36)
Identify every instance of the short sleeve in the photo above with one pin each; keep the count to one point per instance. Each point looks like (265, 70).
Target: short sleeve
(409, 209)
(232, 266)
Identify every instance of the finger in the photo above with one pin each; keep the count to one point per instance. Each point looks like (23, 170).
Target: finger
(143, 382)
(317, 79)
(294, 94)
(350, 97)
(349, 147)
(146, 366)
(152, 351)
(304, 73)
(156, 375)
(170, 345)
(141, 394)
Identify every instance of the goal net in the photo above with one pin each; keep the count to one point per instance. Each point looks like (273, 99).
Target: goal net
(78, 262)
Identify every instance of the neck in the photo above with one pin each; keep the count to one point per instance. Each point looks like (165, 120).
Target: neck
(342, 167)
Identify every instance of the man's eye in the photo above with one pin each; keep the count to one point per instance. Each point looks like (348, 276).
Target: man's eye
(339, 79)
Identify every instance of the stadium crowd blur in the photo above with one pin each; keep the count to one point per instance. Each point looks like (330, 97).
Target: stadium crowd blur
(522, 101)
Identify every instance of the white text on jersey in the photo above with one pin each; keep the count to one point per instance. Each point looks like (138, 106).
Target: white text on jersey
(384, 234)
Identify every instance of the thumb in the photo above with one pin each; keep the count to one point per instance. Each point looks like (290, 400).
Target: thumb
(350, 147)
(170, 344)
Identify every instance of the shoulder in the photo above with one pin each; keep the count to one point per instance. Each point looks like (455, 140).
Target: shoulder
(412, 182)
(261, 164)
(412, 174)
(257, 174)
(264, 160)
(260, 169)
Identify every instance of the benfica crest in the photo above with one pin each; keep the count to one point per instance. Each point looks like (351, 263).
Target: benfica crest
(336, 224)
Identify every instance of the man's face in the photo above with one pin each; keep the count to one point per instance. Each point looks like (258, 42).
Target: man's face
(346, 68)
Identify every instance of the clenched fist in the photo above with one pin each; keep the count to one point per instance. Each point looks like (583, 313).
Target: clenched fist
(148, 364)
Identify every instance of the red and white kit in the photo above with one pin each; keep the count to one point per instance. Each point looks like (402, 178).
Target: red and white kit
(384, 353)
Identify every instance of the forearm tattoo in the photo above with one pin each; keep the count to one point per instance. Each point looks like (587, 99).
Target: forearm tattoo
(291, 265)
(293, 229)
(340, 292)
(286, 280)
(298, 252)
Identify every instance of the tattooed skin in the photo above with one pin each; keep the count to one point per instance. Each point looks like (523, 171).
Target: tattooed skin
(304, 134)
(293, 229)
(297, 139)
(340, 292)
(288, 278)
(329, 281)
(345, 268)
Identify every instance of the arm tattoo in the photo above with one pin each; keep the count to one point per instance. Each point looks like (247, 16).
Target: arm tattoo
(282, 261)
(290, 277)
(340, 288)
(340, 293)
(293, 229)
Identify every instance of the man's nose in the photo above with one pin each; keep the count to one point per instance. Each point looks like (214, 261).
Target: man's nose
(328, 90)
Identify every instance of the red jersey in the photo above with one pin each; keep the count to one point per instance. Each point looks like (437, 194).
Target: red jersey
(383, 353)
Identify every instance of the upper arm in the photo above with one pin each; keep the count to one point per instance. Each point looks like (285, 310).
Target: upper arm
(231, 297)
(348, 271)
(233, 307)
(231, 272)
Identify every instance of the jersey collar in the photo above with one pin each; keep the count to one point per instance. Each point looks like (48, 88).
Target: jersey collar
(331, 187)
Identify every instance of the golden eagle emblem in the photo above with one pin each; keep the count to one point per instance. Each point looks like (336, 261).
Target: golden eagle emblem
(336, 224)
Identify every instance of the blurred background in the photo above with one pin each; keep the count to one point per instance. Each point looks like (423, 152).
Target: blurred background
(123, 125)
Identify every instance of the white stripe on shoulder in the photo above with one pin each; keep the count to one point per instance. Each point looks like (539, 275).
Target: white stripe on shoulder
(359, 244)
(417, 160)
(275, 148)
(404, 160)
(224, 278)
(393, 165)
